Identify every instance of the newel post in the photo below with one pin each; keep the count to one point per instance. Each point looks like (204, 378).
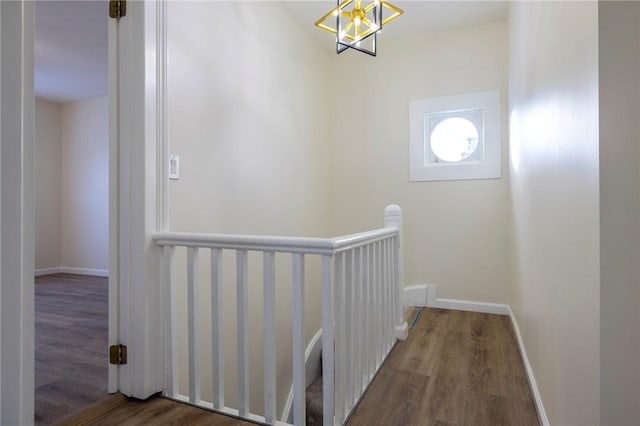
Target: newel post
(393, 219)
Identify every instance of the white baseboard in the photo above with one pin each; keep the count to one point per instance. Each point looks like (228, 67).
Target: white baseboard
(85, 271)
(71, 270)
(48, 271)
(542, 415)
(424, 295)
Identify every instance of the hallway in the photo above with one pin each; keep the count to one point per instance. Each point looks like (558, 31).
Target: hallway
(455, 368)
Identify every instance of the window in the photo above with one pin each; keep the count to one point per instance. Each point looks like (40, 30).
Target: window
(455, 137)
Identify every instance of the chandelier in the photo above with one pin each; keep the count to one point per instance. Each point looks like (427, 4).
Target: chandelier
(358, 27)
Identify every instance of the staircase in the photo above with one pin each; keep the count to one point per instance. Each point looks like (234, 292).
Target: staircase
(314, 403)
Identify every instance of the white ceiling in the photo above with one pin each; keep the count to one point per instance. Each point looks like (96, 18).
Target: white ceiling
(71, 37)
(419, 15)
(71, 50)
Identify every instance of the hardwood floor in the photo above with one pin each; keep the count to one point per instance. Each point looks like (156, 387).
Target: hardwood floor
(456, 368)
(122, 411)
(70, 343)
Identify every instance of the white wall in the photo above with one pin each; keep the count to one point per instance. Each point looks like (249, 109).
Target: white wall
(455, 234)
(555, 200)
(248, 110)
(85, 180)
(619, 78)
(48, 184)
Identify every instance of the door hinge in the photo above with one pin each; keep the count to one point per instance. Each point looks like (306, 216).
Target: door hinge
(117, 8)
(118, 354)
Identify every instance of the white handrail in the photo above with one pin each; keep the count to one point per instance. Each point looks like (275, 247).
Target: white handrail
(304, 245)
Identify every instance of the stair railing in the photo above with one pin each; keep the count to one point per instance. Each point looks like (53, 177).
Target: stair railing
(361, 315)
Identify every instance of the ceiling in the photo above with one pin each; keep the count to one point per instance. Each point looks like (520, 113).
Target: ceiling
(71, 37)
(71, 50)
(419, 16)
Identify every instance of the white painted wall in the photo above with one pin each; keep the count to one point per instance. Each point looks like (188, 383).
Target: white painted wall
(619, 78)
(248, 106)
(455, 234)
(85, 180)
(555, 199)
(48, 184)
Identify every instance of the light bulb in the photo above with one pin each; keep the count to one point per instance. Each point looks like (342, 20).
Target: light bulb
(357, 21)
(335, 12)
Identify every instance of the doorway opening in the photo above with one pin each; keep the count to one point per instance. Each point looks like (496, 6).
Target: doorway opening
(71, 179)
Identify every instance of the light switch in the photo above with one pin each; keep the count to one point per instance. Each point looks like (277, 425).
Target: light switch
(174, 167)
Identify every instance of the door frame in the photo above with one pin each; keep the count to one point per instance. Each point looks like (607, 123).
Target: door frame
(138, 174)
(138, 195)
(17, 214)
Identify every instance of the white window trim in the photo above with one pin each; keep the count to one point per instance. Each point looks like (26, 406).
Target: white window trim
(487, 168)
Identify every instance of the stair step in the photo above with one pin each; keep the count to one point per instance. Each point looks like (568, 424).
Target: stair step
(314, 403)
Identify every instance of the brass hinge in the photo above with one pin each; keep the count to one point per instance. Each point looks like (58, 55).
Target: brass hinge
(117, 8)
(118, 354)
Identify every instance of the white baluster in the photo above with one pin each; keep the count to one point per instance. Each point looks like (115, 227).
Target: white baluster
(171, 333)
(388, 306)
(269, 324)
(349, 332)
(194, 336)
(217, 329)
(371, 334)
(327, 344)
(380, 304)
(339, 338)
(299, 400)
(243, 332)
(358, 323)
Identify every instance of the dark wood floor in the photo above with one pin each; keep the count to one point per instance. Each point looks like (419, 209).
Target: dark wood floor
(71, 313)
(456, 368)
(122, 411)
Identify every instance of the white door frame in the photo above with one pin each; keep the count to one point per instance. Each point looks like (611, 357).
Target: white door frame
(138, 200)
(17, 230)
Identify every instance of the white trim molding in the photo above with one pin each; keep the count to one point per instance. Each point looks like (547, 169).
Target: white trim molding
(72, 270)
(84, 271)
(17, 224)
(542, 414)
(48, 271)
(424, 295)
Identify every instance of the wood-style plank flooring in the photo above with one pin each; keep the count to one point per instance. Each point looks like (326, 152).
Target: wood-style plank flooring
(121, 411)
(456, 368)
(71, 313)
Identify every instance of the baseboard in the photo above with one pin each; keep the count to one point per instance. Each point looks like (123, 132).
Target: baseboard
(71, 270)
(48, 271)
(542, 415)
(425, 295)
(84, 271)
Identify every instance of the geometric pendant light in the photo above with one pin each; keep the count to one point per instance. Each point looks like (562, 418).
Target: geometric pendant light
(358, 23)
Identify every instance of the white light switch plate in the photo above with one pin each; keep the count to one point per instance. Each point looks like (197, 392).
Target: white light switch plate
(174, 167)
